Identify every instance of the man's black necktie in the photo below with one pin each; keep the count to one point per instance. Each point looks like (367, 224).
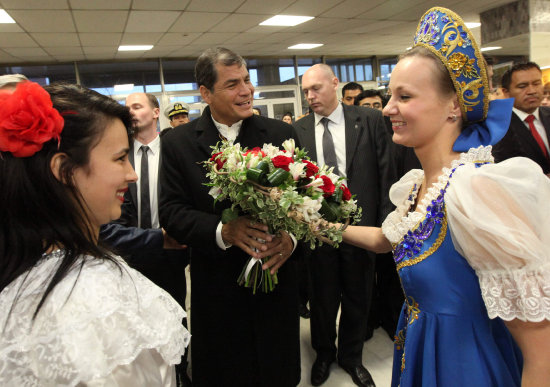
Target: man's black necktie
(144, 189)
(328, 147)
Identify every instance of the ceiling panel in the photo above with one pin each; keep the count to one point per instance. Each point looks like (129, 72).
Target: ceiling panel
(178, 39)
(91, 39)
(44, 21)
(64, 51)
(311, 7)
(151, 21)
(100, 4)
(238, 23)
(17, 39)
(219, 6)
(34, 4)
(271, 7)
(100, 21)
(140, 38)
(173, 5)
(197, 21)
(209, 39)
(53, 39)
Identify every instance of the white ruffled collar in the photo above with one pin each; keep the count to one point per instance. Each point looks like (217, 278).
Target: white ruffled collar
(403, 194)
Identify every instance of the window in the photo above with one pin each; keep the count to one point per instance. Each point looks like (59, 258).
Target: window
(351, 69)
(44, 75)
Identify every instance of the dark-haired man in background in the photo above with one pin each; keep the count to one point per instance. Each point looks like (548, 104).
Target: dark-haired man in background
(529, 130)
(350, 91)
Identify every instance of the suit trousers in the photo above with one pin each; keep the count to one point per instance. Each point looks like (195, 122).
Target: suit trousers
(343, 278)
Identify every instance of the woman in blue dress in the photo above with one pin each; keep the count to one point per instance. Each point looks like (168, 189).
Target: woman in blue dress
(470, 238)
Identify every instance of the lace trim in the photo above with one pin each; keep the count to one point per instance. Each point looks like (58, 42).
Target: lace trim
(91, 323)
(400, 221)
(522, 294)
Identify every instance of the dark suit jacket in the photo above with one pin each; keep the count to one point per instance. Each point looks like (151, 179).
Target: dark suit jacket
(166, 268)
(238, 338)
(369, 167)
(518, 141)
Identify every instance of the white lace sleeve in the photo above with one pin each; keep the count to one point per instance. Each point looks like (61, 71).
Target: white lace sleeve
(94, 321)
(499, 217)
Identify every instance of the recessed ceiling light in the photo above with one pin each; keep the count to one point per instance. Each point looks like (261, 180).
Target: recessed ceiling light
(124, 87)
(5, 18)
(305, 46)
(285, 20)
(472, 25)
(135, 48)
(490, 48)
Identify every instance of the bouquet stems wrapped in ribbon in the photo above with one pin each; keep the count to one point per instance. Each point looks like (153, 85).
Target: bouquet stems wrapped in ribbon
(283, 189)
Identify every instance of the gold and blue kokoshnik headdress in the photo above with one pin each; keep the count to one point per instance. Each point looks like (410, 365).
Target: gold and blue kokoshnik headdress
(443, 32)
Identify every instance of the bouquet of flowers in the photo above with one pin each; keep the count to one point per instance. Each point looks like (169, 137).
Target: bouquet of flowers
(283, 189)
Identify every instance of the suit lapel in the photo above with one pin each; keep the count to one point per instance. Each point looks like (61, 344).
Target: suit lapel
(252, 133)
(544, 115)
(306, 128)
(207, 133)
(354, 127)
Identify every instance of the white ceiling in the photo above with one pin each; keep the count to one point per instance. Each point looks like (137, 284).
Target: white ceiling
(49, 31)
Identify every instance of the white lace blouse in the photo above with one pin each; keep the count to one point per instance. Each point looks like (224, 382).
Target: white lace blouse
(499, 217)
(102, 326)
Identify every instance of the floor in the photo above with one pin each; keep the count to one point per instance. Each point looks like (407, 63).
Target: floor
(377, 356)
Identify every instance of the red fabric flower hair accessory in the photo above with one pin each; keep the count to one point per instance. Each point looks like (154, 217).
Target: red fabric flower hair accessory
(27, 120)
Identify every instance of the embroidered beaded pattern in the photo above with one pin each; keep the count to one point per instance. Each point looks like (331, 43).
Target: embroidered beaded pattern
(443, 32)
(413, 240)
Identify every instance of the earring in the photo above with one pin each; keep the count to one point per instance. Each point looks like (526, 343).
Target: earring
(454, 118)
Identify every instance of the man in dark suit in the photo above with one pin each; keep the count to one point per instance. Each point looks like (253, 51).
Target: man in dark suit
(529, 130)
(166, 267)
(355, 142)
(239, 339)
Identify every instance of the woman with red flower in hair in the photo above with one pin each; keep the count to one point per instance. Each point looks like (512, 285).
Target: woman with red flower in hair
(71, 312)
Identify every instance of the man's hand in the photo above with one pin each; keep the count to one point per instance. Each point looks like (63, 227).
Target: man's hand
(247, 234)
(170, 243)
(280, 249)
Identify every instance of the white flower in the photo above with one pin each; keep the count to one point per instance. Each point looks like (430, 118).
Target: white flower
(289, 146)
(253, 161)
(271, 151)
(318, 182)
(296, 170)
(234, 161)
(215, 192)
(309, 208)
(333, 177)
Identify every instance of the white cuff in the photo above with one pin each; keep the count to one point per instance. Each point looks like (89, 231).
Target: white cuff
(294, 242)
(219, 240)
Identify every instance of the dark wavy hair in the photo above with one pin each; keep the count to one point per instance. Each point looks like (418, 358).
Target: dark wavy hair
(38, 211)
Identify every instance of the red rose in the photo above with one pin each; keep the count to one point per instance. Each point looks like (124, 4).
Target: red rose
(27, 120)
(255, 151)
(327, 187)
(346, 194)
(311, 169)
(219, 161)
(282, 162)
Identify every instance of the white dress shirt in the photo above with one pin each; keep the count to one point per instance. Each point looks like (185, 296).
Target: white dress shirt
(153, 157)
(537, 122)
(337, 128)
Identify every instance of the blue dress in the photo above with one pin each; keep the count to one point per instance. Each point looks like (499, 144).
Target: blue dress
(445, 336)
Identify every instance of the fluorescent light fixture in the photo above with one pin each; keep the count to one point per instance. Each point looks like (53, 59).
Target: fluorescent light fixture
(124, 87)
(472, 25)
(490, 48)
(5, 18)
(285, 20)
(545, 67)
(408, 48)
(305, 46)
(135, 48)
